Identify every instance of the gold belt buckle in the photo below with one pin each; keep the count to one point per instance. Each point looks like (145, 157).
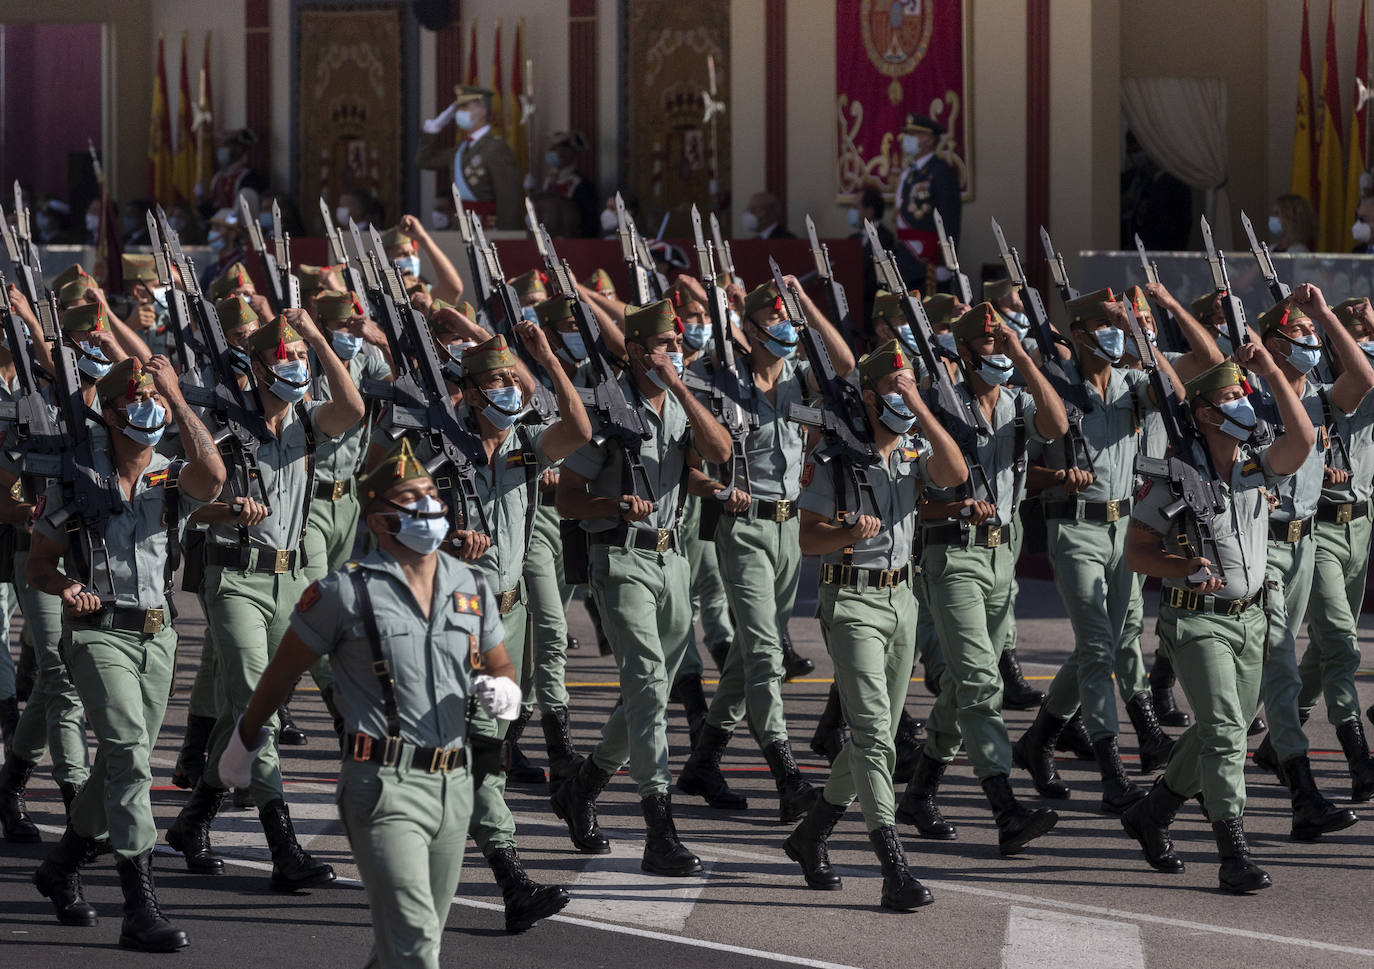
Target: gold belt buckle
(508, 600)
(994, 536)
(443, 760)
(152, 621)
(1344, 513)
(1191, 601)
(665, 537)
(392, 752)
(1295, 530)
(887, 578)
(782, 511)
(339, 489)
(283, 561)
(1113, 511)
(362, 747)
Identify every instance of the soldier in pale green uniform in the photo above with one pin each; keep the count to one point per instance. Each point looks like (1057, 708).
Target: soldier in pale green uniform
(1087, 512)
(1212, 624)
(1344, 514)
(1292, 331)
(868, 613)
(640, 580)
(967, 567)
(121, 654)
(151, 317)
(255, 570)
(413, 636)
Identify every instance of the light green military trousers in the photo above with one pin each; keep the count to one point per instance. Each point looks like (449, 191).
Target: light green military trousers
(1328, 667)
(1288, 581)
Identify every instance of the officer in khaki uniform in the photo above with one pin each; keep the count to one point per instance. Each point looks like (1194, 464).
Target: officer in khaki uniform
(967, 566)
(868, 613)
(640, 581)
(1214, 631)
(254, 570)
(121, 655)
(413, 637)
(482, 166)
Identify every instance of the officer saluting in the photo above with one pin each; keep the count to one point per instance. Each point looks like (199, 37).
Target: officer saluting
(121, 656)
(483, 167)
(927, 185)
(404, 629)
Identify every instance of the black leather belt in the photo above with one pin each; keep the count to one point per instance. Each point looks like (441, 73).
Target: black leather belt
(1293, 531)
(983, 536)
(1342, 512)
(854, 578)
(365, 749)
(546, 498)
(272, 561)
(650, 539)
(130, 620)
(1088, 511)
(334, 490)
(1197, 602)
(772, 511)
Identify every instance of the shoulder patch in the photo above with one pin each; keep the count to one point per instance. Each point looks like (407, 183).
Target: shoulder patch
(1144, 489)
(467, 603)
(807, 472)
(309, 597)
(910, 454)
(155, 478)
(1250, 467)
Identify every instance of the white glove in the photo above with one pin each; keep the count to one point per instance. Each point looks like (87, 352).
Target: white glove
(236, 763)
(529, 182)
(942, 274)
(435, 125)
(499, 696)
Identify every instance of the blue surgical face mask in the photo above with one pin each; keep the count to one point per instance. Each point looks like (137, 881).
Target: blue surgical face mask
(946, 340)
(409, 265)
(1111, 343)
(735, 319)
(1275, 226)
(423, 525)
(145, 420)
(453, 369)
(293, 379)
(996, 369)
(159, 294)
(784, 338)
(528, 313)
(1019, 322)
(574, 349)
(93, 363)
(463, 119)
(697, 335)
(674, 356)
(1238, 418)
(506, 403)
(895, 415)
(345, 344)
(1306, 354)
(905, 337)
(855, 218)
(1149, 335)
(265, 220)
(217, 241)
(241, 356)
(1368, 348)
(553, 159)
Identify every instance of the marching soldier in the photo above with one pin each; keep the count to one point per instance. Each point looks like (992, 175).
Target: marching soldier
(868, 614)
(403, 245)
(121, 656)
(1215, 631)
(482, 167)
(414, 637)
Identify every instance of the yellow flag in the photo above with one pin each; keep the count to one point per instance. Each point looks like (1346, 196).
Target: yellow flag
(1303, 178)
(1332, 219)
(516, 133)
(160, 136)
(184, 168)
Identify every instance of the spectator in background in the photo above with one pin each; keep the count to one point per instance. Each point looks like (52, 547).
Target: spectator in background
(234, 174)
(50, 223)
(185, 222)
(133, 224)
(359, 205)
(1364, 222)
(763, 217)
(610, 222)
(870, 208)
(567, 201)
(228, 241)
(1293, 224)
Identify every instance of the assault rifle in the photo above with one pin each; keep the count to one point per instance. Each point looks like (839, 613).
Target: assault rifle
(283, 289)
(1278, 290)
(951, 257)
(820, 254)
(1231, 306)
(725, 259)
(187, 352)
(1170, 334)
(338, 253)
(629, 252)
(28, 273)
(481, 276)
(38, 438)
(1057, 270)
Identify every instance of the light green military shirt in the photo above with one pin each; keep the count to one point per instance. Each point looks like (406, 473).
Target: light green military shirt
(1298, 493)
(136, 538)
(1357, 431)
(897, 488)
(429, 656)
(338, 458)
(1109, 432)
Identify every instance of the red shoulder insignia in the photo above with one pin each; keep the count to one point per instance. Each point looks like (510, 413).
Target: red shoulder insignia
(807, 472)
(467, 603)
(309, 597)
(1144, 489)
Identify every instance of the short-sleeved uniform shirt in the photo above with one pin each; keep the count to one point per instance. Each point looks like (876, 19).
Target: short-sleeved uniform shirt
(137, 538)
(430, 657)
(338, 458)
(663, 457)
(1298, 493)
(1241, 530)
(1109, 432)
(897, 488)
(1357, 431)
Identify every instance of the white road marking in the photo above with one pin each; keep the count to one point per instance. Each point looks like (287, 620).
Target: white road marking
(613, 887)
(1037, 939)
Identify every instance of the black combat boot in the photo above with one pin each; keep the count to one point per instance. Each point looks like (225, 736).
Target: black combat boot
(664, 854)
(1356, 749)
(292, 866)
(1118, 790)
(1257, 727)
(1238, 873)
(794, 664)
(190, 832)
(1154, 744)
(901, 891)
(563, 756)
(59, 879)
(1313, 814)
(1034, 752)
(688, 692)
(9, 721)
(701, 775)
(521, 770)
(1074, 739)
(806, 845)
(795, 794)
(575, 804)
(1148, 822)
(14, 812)
(1266, 759)
(191, 760)
(831, 731)
(526, 900)
(1162, 693)
(144, 928)
(1016, 826)
(288, 734)
(911, 734)
(918, 808)
(720, 652)
(1016, 692)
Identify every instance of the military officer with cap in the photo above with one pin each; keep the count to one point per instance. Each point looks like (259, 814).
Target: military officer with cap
(254, 569)
(1210, 615)
(926, 185)
(483, 167)
(121, 655)
(415, 638)
(151, 316)
(868, 613)
(640, 579)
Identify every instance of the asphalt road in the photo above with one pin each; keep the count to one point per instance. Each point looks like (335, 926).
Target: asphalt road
(1081, 897)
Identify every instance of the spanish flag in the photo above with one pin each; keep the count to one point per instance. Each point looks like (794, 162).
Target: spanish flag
(205, 124)
(1332, 219)
(497, 102)
(184, 169)
(516, 133)
(160, 136)
(1355, 161)
(1302, 181)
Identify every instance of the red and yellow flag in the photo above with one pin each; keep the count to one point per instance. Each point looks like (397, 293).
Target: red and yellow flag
(1355, 161)
(497, 102)
(516, 133)
(184, 168)
(160, 136)
(205, 124)
(1330, 201)
(471, 79)
(1303, 179)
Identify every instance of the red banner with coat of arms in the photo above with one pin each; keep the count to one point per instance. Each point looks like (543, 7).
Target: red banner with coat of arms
(894, 58)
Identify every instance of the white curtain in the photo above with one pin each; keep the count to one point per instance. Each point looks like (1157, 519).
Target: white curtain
(1181, 124)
